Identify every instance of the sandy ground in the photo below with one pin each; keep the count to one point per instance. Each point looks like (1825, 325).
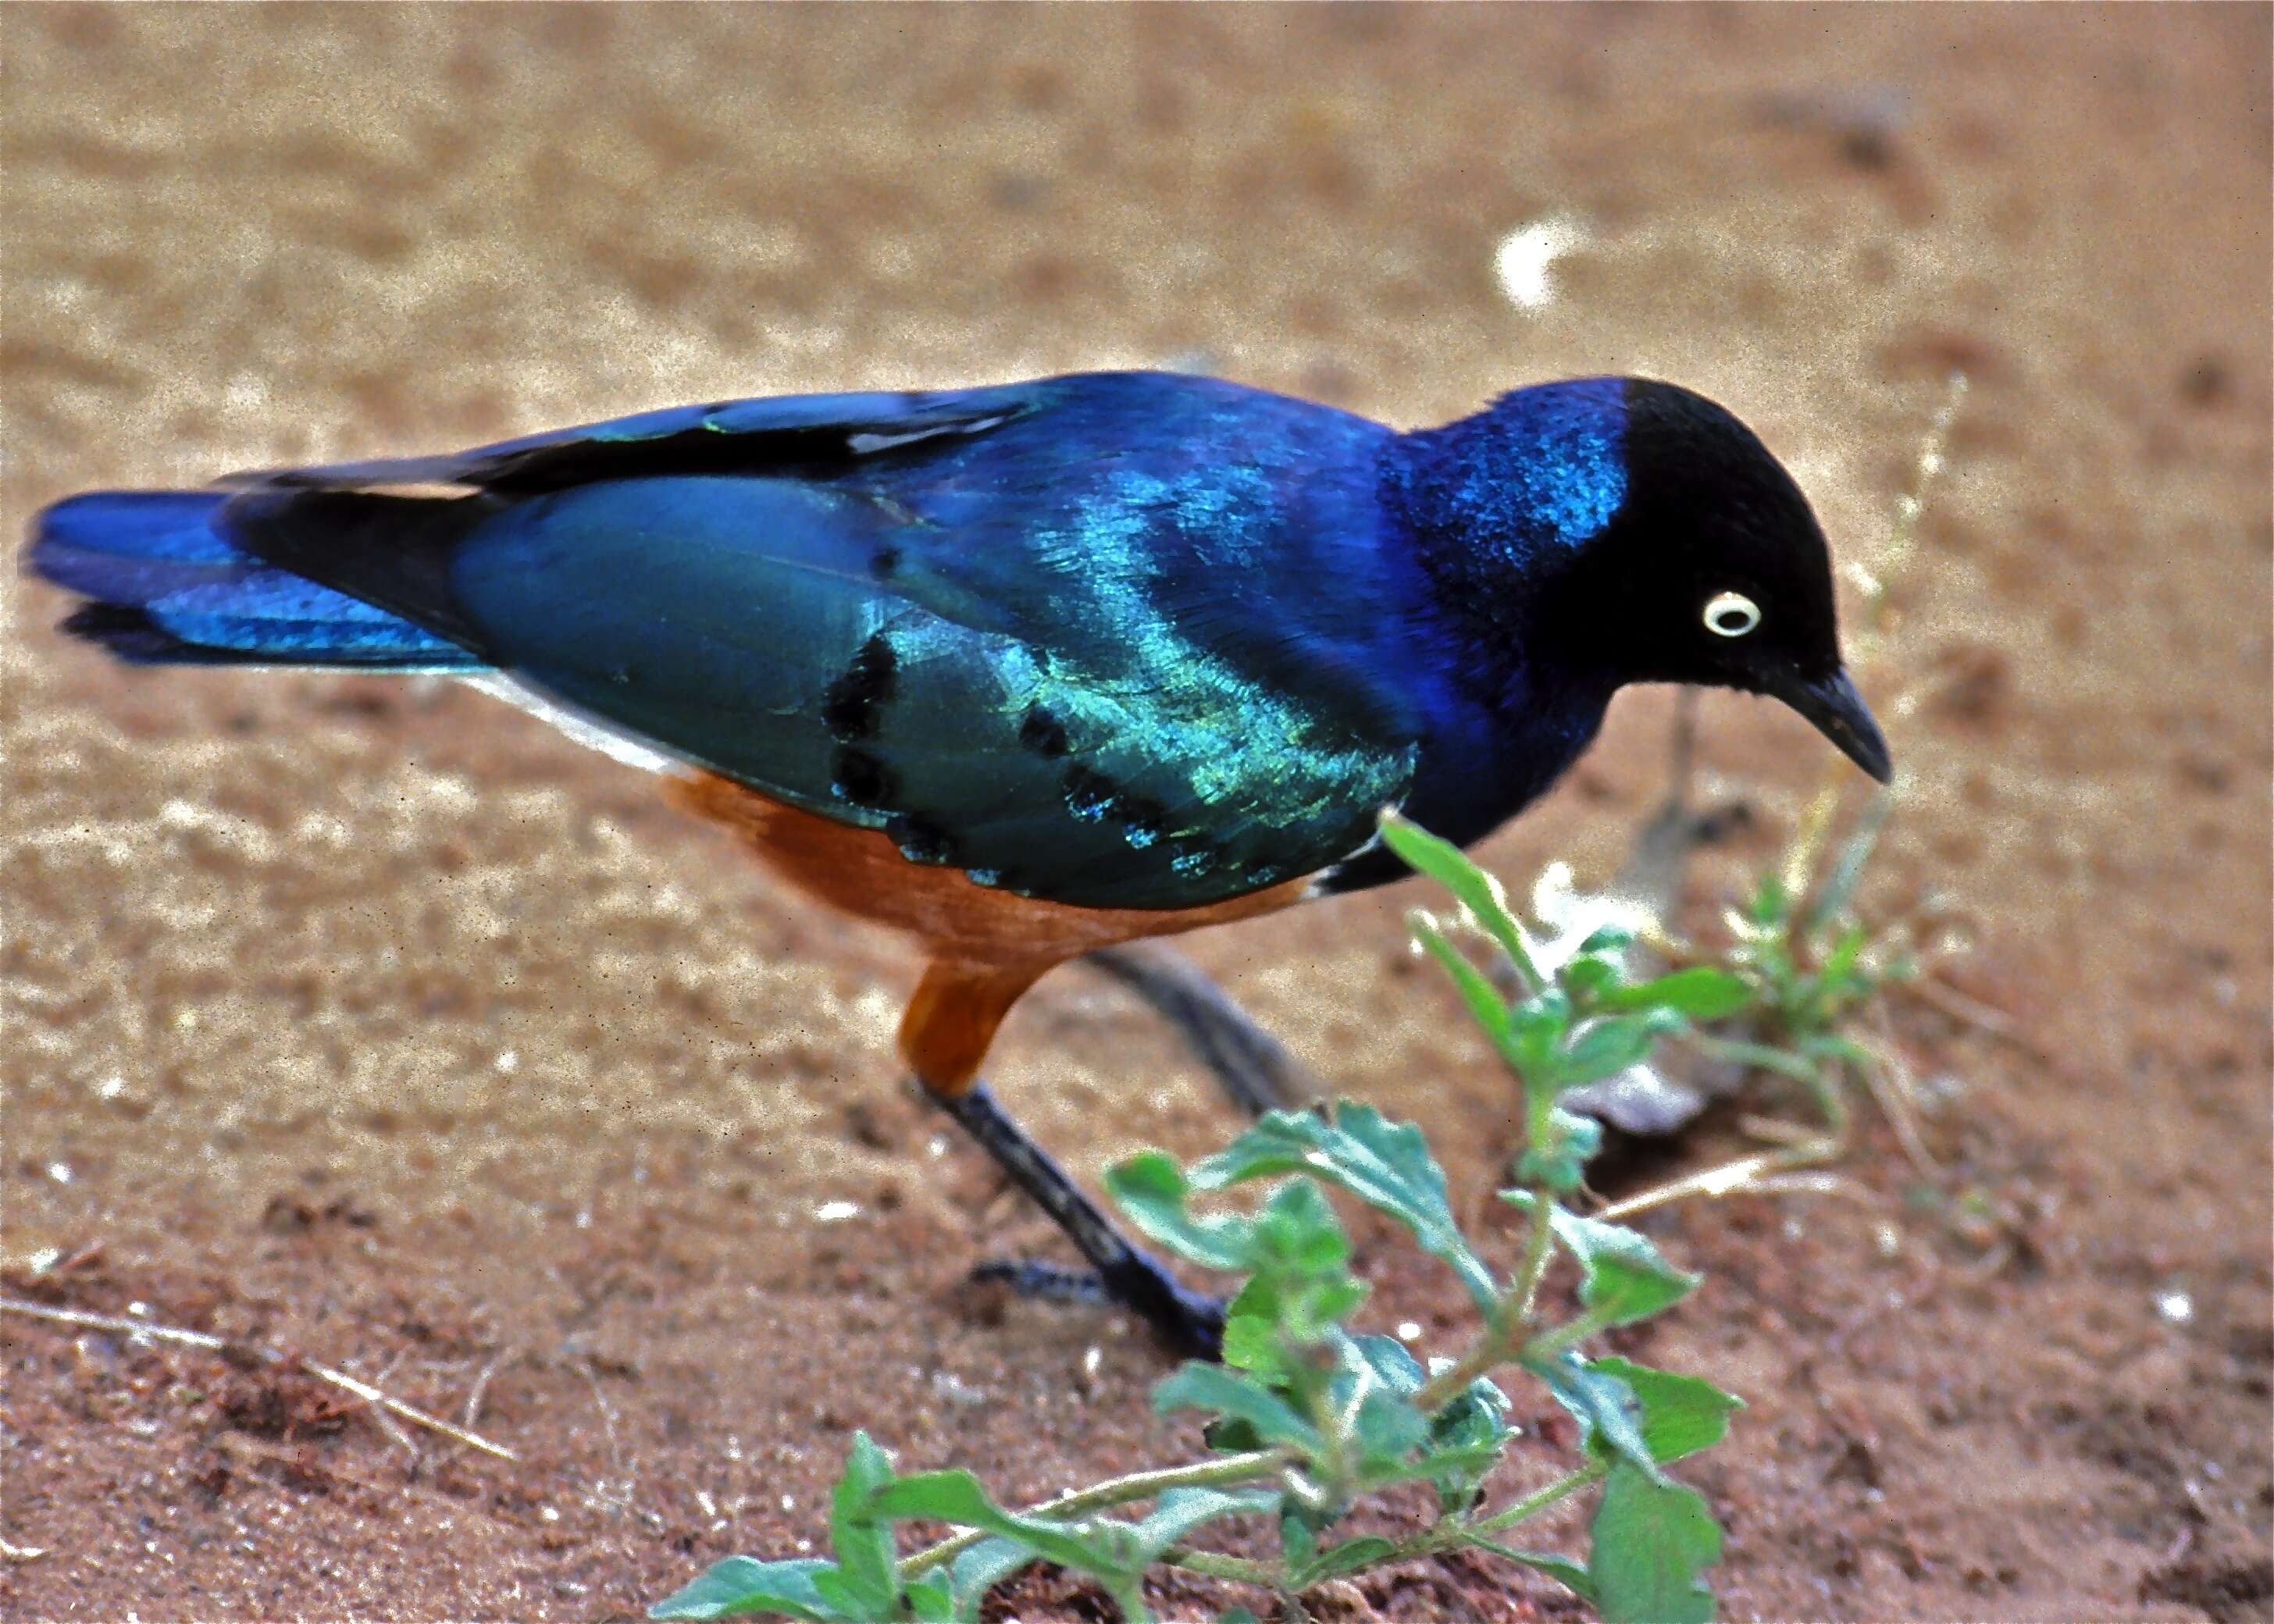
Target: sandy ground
(380, 1023)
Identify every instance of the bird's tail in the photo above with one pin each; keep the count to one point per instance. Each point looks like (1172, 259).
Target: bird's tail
(165, 585)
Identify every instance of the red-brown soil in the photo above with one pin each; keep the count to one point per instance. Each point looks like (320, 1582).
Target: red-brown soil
(379, 1025)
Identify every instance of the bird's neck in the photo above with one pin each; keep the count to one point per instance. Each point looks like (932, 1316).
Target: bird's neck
(1491, 514)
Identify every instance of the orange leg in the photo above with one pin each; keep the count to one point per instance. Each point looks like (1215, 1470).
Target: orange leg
(951, 1019)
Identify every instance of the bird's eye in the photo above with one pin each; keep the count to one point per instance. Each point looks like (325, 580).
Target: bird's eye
(1731, 614)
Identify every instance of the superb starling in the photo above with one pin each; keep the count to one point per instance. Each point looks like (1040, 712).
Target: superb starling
(1031, 671)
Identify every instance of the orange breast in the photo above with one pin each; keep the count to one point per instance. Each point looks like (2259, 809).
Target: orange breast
(986, 946)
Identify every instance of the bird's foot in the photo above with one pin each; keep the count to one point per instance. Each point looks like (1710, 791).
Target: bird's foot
(1190, 1323)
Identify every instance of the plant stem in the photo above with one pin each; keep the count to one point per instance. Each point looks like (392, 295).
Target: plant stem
(1548, 1344)
(1535, 1255)
(1487, 1356)
(1533, 1504)
(1497, 1346)
(1271, 1575)
(1113, 1492)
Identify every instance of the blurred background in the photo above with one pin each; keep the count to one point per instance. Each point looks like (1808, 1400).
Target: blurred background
(381, 1019)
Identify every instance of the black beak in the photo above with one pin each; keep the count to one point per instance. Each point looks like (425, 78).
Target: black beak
(1840, 714)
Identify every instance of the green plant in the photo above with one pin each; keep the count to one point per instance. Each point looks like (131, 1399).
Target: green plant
(1799, 974)
(1308, 1417)
(1810, 967)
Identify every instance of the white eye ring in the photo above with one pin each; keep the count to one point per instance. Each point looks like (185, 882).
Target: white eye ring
(1731, 614)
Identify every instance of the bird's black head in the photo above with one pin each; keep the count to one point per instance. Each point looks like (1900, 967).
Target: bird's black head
(1652, 537)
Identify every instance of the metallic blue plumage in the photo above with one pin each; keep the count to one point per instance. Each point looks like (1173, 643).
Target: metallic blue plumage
(1135, 640)
(1542, 469)
(192, 593)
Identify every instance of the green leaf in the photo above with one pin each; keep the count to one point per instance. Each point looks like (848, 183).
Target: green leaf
(1128, 1595)
(1681, 1415)
(1770, 907)
(1385, 1164)
(1576, 1136)
(1239, 1395)
(1251, 1331)
(1179, 1511)
(1568, 1142)
(1302, 1288)
(1623, 1277)
(1346, 1558)
(744, 1584)
(981, 1569)
(1231, 1435)
(1703, 992)
(843, 1601)
(1608, 940)
(1562, 1569)
(1535, 1041)
(956, 1496)
(1238, 1615)
(1589, 978)
(1114, 1552)
(1466, 1439)
(1610, 1416)
(862, 1541)
(1151, 1189)
(1649, 1541)
(1471, 887)
(1294, 1251)
(1299, 1538)
(1299, 1237)
(1607, 1047)
(931, 1601)
(1832, 978)
(1321, 1307)
(1486, 1005)
(1387, 1361)
(1368, 1393)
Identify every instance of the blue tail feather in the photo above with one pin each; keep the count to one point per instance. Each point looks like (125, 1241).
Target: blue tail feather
(167, 586)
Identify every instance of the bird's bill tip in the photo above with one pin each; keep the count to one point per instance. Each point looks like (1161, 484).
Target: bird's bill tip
(1838, 711)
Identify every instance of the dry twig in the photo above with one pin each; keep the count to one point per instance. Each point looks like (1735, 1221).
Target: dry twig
(223, 1346)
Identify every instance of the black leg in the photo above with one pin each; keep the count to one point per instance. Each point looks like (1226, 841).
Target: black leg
(1186, 1321)
(1255, 1073)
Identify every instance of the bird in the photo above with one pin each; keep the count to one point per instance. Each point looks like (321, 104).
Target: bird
(1032, 670)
